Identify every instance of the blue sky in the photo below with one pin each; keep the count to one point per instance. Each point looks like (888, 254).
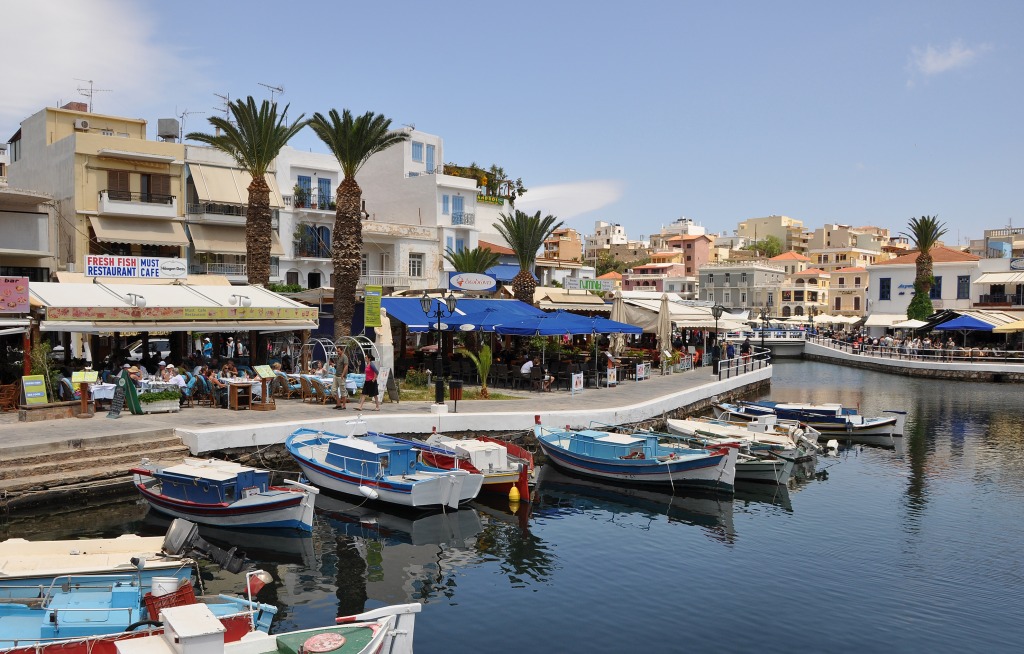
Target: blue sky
(636, 113)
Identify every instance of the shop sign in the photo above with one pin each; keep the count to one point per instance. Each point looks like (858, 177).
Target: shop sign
(13, 294)
(102, 265)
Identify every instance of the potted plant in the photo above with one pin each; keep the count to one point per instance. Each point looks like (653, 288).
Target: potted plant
(159, 401)
(299, 199)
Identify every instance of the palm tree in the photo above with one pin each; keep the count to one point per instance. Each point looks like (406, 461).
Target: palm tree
(925, 232)
(477, 260)
(525, 234)
(352, 141)
(482, 360)
(253, 139)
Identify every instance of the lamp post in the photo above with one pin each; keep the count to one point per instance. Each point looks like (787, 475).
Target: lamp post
(716, 354)
(765, 313)
(811, 312)
(426, 303)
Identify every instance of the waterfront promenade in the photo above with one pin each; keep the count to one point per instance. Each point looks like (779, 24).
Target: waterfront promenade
(52, 453)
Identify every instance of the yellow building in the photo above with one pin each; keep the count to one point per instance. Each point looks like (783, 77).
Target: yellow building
(115, 192)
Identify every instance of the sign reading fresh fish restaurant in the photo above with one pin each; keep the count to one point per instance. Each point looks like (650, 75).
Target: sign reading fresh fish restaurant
(101, 265)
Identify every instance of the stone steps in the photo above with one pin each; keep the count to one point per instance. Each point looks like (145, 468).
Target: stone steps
(76, 458)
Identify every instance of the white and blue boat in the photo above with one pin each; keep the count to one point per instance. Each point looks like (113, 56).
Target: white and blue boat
(80, 614)
(225, 494)
(828, 419)
(378, 467)
(638, 458)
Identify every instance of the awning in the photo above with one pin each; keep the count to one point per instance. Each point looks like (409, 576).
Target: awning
(10, 326)
(136, 156)
(89, 326)
(1001, 278)
(146, 231)
(407, 310)
(228, 185)
(884, 319)
(548, 305)
(227, 239)
(504, 272)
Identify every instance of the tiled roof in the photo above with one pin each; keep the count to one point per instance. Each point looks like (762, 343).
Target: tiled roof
(812, 271)
(792, 255)
(940, 254)
(610, 275)
(496, 249)
(852, 269)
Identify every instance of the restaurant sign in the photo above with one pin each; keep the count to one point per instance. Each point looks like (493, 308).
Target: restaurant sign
(1016, 264)
(602, 285)
(182, 313)
(471, 282)
(13, 294)
(102, 265)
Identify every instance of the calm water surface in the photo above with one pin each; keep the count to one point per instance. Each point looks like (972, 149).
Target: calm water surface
(915, 550)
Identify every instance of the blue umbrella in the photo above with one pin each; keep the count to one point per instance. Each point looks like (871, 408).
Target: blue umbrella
(964, 324)
(551, 324)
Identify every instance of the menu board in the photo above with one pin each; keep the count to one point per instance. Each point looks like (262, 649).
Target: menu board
(84, 377)
(35, 390)
(265, 372)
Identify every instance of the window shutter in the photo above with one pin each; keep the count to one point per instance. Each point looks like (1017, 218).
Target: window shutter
(160, 187)
(118, 185)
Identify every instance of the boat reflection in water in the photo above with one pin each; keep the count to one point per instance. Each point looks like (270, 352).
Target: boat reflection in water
(561, 491)
(453, 528)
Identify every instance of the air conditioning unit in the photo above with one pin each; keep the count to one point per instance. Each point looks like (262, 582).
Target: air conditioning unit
(81, 123)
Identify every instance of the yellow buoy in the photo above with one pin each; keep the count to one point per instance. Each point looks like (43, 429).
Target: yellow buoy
(513, 494)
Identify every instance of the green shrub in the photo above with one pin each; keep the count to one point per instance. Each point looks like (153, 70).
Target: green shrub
(159, 396)
(415, 378)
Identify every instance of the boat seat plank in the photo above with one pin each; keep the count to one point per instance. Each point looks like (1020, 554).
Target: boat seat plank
(356, 638)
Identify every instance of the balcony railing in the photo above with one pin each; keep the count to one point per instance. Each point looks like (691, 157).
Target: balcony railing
(1002, 299)
(316, 202)
(218, 209)
(137, 205)
(228, 269)
(312, 250)
(463, 218)
(385, 278)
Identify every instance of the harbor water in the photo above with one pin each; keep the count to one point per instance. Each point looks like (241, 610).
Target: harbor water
(911, 549)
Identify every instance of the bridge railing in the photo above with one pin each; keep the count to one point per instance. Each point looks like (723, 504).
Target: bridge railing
(758, 358)
(939, 355)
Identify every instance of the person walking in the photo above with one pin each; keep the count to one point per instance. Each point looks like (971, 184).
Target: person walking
(338, 389)
(745, 349)
(370, 385)
(207, 350)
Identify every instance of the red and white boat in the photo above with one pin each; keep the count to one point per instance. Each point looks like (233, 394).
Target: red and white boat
(500, 462)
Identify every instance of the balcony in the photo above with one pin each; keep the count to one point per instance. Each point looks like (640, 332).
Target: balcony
(305, 203)
(221, 214)
(227, 269)
(463, 218)
(137, 205)
(307, 250)
(386, 278)
(1000, 300)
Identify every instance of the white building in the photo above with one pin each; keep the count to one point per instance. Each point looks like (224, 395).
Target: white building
(604, 237)
(892, 284)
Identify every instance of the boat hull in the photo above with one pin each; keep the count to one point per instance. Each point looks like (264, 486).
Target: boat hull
(769, 471)
(277, 508)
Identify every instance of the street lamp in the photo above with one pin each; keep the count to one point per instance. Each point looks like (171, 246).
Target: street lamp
(765, 314)
(811, 312)
(426, 303)
(716, 354)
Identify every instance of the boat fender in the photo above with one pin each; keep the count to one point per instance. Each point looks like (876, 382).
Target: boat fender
(368, 492)
(144, 623)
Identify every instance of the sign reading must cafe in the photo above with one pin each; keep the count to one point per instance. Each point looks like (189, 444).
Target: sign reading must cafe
(102, 265)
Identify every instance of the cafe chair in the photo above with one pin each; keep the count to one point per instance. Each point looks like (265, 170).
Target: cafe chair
(286, 388)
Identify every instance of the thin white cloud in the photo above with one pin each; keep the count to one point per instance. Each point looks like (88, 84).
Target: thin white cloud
(566, 201)
(50, 44)
(931, 61)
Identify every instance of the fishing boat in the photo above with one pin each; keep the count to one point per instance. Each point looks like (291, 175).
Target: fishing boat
(378, 467)
(790, 438)
(387, 630)
(225, 494)
(764, 468)
(828, 419)
(500, 462)
(638, 458)
(93, 614)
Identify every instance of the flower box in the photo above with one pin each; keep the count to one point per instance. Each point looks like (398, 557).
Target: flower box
(161, 406)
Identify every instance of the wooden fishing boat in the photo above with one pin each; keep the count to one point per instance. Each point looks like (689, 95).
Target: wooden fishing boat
(789, 438)
(828, 419)
(388, 630)
(499, 462)
(225, 494)
(381, 468)
(638, 458)
(93, 614)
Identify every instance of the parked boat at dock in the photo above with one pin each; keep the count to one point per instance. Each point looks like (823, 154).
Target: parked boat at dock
(788, 437)
(638, 458)
(91, 614)
(498, 461)
(385, 630)
(378, 467)
(225, 494)
(829, 419)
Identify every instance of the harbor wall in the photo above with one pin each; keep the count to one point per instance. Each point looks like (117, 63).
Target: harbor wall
(986, 372)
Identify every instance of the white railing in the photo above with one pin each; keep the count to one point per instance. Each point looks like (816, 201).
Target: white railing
(228, 269)
(394, 279)
(903, 352)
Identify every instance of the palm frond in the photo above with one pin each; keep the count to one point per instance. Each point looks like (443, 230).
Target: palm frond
(255, 137)
(925, 232)
(526, 234)
(353, 141)
(477, 260)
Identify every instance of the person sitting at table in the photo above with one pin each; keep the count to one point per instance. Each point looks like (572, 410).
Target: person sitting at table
(160, 367)
(135, 374)
(219, 389)
(527, 369)
(229, 370)
(172, 375)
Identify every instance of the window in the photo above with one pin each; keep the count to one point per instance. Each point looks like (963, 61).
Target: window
(444, 205)
(743, 278)
(711, 278)
(727, 278)
(743, 299)
(963, 287)
(856, 303)
(936, 292)
(417, 151)
(771, 296)
(364, 264)
(798, 296)
(842, 282)
(856, 282)
(460, 245)
(303, 194)
(324, 193)
(314, 280)
(430, 158)
(416, 264)
(727, 298)
(885, 288)
(291, 278)
(457, 205)
(838, 303)
(449, 243)
(118, 185)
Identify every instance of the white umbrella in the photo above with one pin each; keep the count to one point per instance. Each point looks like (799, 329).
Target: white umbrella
(664, 328)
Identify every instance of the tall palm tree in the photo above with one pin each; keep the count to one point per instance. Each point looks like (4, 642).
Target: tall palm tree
(352, 141)
(477, 260)
(925, 232)
(525, 234)
(253, 139)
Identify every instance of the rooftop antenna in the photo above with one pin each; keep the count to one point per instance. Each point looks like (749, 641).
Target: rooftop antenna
(185, 113)
(225, 109)
(90, 91)
(273, 89)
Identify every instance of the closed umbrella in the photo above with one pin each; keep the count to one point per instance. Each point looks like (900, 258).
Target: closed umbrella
(618, 314)
(664, 327)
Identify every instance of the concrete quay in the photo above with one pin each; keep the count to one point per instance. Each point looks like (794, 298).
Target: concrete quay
(56, 460)
(991, 369)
